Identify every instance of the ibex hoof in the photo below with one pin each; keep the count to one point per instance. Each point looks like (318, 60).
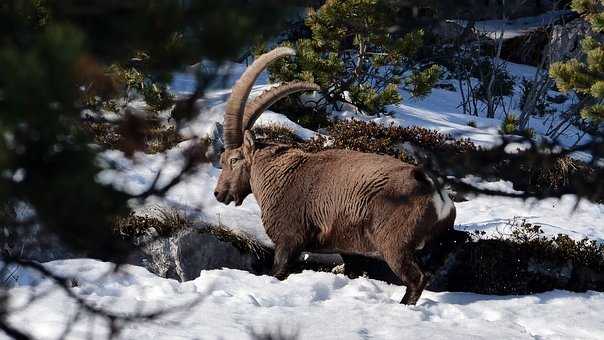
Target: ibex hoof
(409, 299)
(281, 276)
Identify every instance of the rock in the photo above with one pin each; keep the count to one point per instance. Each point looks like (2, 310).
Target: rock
(216, 145)
(456, 263)
(565, 41)
(183, 255)
(155, 254)
(447, 30)
(493, 266)
(526, 49)
(196, 250)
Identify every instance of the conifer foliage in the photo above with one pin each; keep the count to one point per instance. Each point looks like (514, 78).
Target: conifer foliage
(586, 77)
(357, 54)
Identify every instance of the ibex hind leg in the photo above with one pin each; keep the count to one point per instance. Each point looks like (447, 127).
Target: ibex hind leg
(404, 264)
(416, 283)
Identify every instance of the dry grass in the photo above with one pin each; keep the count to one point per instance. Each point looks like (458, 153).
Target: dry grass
(164, 222)
(276, 134)
(244, 243)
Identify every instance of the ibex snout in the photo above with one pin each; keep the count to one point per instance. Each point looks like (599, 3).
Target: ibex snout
(223, 197)
(234, 180)
(227, 197)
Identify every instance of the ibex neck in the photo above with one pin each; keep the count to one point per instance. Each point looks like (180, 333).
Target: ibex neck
(273, 168)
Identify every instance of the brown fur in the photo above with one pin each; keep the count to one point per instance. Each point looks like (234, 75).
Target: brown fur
(336, 200)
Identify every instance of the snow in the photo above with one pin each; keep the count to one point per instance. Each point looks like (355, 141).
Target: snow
(232, 303)
(441, 111)
(494, 215)
(555, 216)
(513, 28)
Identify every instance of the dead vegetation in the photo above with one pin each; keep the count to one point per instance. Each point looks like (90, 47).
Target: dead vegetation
(277, 134)
(163, 222)
(370, 137)
(244, 243)
(150, 135)
(526, 262)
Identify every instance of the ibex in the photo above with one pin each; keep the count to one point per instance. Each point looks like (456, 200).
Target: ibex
(334, 200)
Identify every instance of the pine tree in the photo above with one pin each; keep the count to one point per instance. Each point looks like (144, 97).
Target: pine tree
(586, 77)
(356, 49)
(56, 61)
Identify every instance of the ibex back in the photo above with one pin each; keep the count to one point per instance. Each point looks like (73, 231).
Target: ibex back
(336, 200)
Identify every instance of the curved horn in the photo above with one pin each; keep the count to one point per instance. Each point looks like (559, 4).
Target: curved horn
(254, 109)
(233, 136)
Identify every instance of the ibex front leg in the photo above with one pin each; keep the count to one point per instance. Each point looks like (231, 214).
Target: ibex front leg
(284, 255)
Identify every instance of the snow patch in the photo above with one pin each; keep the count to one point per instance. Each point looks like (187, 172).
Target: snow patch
(316, 305)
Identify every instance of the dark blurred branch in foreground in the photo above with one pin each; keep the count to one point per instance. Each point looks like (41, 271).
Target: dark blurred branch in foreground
(60, 58)
(115, 321)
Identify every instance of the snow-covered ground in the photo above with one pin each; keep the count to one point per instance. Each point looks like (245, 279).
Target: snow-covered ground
(513, 28)
(312, 305)
(317, 305)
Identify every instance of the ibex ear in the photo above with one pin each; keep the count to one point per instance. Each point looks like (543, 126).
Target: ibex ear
(248, 145)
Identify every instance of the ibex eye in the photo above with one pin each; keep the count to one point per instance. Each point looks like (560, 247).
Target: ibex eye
(233, 161)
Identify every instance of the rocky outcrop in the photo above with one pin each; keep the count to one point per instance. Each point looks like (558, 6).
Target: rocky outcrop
(565, 41)
(186, 253)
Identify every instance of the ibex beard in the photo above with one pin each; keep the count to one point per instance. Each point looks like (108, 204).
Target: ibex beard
(334, 200)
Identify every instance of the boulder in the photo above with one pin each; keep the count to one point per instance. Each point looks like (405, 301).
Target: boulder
(183, 255)
(196, 250)
(155, 254)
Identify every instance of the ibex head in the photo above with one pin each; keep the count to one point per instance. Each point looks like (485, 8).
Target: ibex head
(239, 117)
(234, 181)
